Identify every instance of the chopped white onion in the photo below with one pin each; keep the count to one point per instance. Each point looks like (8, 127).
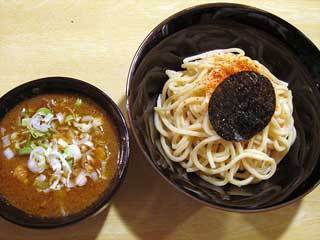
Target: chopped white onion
(37, 160)
(8, 153)
(85, 137)
(75, 142)
(75, 152)
(94, 176)
(13, 135)
(89, 144)
(62, 143)
(57, 161)
(89, 158)
(36, 123)
(87, 118)
(99, 173)
(81, 179)
(83, 127)
(65, 165)
(97, 122)
(60, 117)
(64, 181)
(41, 178)
(54, 185)
(54, 161)
(48, 117)
(6, 141)
(70, 184)
(53, 146)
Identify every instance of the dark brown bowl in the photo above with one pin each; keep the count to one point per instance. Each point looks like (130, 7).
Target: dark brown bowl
(63, 84)
(287, 52)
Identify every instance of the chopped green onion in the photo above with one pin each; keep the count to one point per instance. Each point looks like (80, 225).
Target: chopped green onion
(70, 162)
(35, 133)
(28, 147)
(44, 145)
(41, 185)
(44, 111)
(33, 145)
(78, 102)
(17, 145)
(25, 122)
(69, 118)
(77, 118)
(39, 143)
(13, 135)
(67, 153)
(25, 150)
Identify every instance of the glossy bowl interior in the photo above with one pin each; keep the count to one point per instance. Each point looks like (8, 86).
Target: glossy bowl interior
(283, 49)
(67, 85)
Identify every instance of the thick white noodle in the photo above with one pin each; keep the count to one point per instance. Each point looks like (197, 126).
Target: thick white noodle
(187, 137)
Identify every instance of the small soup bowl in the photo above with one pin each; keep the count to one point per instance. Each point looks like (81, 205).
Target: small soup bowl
(68, 85)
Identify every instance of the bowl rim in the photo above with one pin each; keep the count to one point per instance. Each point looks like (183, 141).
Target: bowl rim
(123, 157)
(134, 65)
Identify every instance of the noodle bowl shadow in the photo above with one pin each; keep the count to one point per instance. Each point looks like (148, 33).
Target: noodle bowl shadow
(283, 49)
(88, 229)
(68, 85)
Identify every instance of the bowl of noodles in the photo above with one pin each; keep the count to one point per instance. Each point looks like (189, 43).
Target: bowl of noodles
(222, 100)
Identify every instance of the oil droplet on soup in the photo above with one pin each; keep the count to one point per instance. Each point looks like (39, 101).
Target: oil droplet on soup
(58, 154)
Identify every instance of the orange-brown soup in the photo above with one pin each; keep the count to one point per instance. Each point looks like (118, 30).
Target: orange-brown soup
(58, 154)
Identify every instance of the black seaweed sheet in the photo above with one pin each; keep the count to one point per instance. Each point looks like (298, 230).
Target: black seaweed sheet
(242, 106)
(217, 29)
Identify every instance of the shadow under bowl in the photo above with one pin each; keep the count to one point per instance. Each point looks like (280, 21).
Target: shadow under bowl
(68, 85)
(282, 48)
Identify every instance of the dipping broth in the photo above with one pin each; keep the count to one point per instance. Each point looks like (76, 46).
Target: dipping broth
(58, 154)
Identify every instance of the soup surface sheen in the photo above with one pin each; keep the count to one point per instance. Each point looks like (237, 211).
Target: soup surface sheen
(58, 154)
